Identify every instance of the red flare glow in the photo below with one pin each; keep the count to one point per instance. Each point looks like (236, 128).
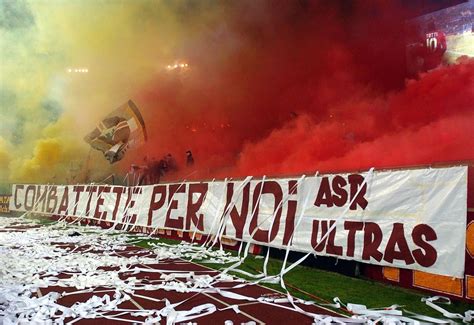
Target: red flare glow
(308, 89)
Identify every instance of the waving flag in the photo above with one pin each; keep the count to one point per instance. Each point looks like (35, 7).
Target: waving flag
(122, 129)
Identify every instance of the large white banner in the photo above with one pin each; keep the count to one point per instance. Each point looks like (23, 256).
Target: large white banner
(413, 219)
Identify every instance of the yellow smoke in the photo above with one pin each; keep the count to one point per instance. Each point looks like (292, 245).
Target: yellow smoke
(4, 159)
(46, 110)
(57, 157)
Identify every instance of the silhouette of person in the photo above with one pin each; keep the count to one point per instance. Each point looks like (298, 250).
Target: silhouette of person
(171, 162)
(189, 158)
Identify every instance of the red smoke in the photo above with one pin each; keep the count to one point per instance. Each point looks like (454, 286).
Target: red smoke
(302, 87)
(429, 121)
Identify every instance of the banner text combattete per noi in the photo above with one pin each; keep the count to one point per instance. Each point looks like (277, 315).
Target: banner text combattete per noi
(414, 219)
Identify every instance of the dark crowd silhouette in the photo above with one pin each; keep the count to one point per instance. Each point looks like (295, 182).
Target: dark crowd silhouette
(153, 170)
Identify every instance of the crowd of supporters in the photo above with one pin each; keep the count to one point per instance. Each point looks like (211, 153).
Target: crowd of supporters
(153, 169)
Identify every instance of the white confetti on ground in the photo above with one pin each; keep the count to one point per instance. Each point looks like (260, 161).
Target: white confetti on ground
(34, 257)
